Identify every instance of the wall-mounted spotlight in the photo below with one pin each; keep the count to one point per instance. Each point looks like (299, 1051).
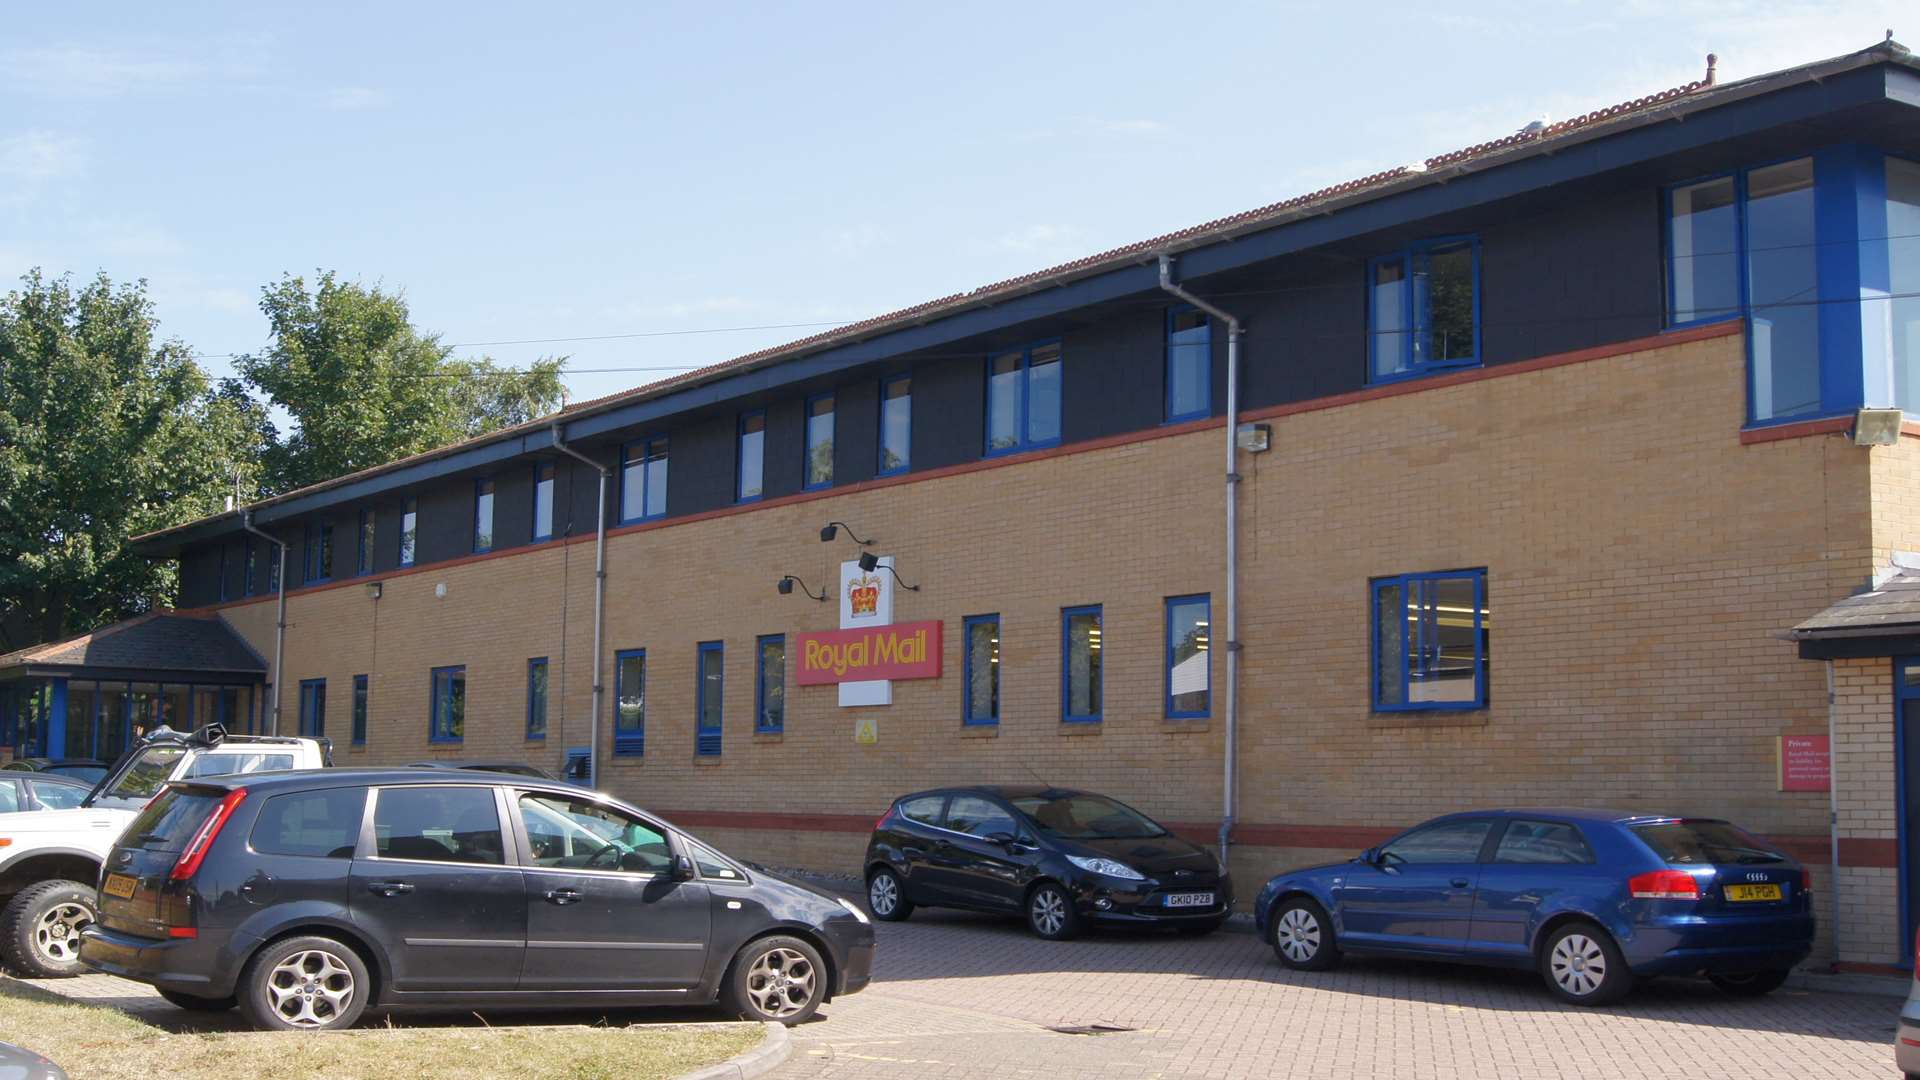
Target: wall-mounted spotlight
(1877, 427)
(373, 590)
(833, 528)
(786, 589)
(869, 564)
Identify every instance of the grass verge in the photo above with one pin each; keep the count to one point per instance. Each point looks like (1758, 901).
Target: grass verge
(97, 1042)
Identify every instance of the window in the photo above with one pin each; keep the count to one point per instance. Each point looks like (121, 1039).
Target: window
(924, 810)
(819, 462)
(52, 796)
(1023, 399)
(313, 707)
(1189, 685)
(1189, 364)
(1423, 310)
(711, 865)
(409, 523)
(1903, 279)
(543, 501)
(319, 553)
(448, 722)
(359, 710)
(770, 684)
(319, 824)
(249, 563)
(980, 687)
(896, 425)
(1698, 841)
(1080, 665)
(222, 583)
(630, 701)
(979, 817)
(1430, 637)
(363, 546)
(537, 698)
(483, 514)
(275, 555)
(1703, 252)
(1542, 842)
(1445, 842)
(580, 834)
(643, 480)
(438, 824)
(712, 675)
(749, 483)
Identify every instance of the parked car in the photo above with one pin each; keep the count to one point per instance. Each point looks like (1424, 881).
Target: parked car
(1062, 858)
(89, 770)
(20, 1063)
(304, 898)
(517, 768)
(1906, 1041)
(50, 859)
(1592, 899)
(21, 792)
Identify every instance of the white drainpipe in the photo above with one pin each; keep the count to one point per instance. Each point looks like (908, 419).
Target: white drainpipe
(599, 597)
(280, 623)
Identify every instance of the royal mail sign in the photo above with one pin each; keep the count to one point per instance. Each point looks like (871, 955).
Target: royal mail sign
(898, 651)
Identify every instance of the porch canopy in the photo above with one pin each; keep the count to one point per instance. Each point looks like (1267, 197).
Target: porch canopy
(1883, 621)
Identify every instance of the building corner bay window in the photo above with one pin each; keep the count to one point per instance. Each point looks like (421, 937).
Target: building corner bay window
(1423, 310)
(982, 675)
(1431, 635)
(1189, 651)
(1081, 665)
(819, 462)
(630, 702)
(643, 480)
(449, 704)
(1903, 279)
(1023, 399)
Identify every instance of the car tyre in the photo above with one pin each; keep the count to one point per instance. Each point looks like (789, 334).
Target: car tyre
(41, 928)
(1749, 983)
(1051, 914)
(1303, 937)
(305, 984)
(887, 896)
(1581, 964)
(777, 978)
(195, 1003)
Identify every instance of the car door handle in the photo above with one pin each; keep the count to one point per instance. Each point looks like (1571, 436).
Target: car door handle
(564, 896)
(913, 852)
(1460, 883)
(389, 888)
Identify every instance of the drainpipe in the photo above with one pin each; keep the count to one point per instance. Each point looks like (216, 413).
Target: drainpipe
(1233, 561)
(1833, 808)
(280, 622)
(599, 597)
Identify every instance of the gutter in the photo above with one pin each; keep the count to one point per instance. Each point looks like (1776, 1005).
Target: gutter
(599, 598)
(1232, 701)
(280, 620)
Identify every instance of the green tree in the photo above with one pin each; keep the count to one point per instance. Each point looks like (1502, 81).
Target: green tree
(363, 386)
(106, 432)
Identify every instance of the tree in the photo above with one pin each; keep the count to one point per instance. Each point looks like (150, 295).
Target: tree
(364, 387)
(106, 432)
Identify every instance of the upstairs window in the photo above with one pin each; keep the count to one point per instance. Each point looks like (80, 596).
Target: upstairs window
(319, 553)
(1430, 640)
(1903, 279)
(1423, 309)
(750, 482)
(409, 529)
(274, 555)
(896, 425)
(643, 480)
(448, 722)
(770, 685)
(1081, 670)
(249, 566)
(1023, 399)
(543, 482)
(1189, 364)
(483, 514)
(221, 585)
(819, 463)
(707, 706)
(363, 547)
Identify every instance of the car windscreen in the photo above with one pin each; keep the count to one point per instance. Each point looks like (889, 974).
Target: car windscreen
(144, 774)
(1085, 817)
(236, 764)
(169, 821)
(1698, 843)
(90, 774)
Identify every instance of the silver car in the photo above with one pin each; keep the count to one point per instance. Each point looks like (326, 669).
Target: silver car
(1906, 1043)
(19, 1063)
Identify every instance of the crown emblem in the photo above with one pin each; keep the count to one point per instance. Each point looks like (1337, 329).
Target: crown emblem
(863, 595)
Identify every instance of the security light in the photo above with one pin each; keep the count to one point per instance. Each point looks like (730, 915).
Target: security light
(833, 528)
(867, 560)
(1877, 427)
(787, 582)
(869, 563)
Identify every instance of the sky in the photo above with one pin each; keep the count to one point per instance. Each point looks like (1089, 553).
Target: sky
(685, 183)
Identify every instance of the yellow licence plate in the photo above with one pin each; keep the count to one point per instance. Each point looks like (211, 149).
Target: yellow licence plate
(1753, 892)
(119, 885)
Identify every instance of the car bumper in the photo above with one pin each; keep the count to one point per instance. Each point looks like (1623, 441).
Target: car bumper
(1906, 1042)
(181, 964)
(852, 943)
(1117, 903)
(1682, 946)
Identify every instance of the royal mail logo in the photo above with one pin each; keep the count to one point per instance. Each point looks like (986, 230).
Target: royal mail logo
(863, 596)
(900, 651)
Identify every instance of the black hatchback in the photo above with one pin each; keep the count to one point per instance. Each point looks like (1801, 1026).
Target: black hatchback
(305, 897)
(1059, 857)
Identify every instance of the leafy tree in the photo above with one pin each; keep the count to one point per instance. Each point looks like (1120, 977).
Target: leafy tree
(106, 432)
(363, 386)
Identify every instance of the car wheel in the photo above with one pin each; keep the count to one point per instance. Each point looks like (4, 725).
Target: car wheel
(191, 1003)
(1303, 936)
(1749, 983)
(42, 925)
(305, 984)
(1050, 913)
(886, 899)
(776, 978)
(1581, 964)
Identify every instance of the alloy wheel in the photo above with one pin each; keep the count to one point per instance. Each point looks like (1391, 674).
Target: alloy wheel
(1578, 964)
(780, 982)
(310, 989)
(1049, 911)
(883, 894)
(1298, 935)
(57, 933)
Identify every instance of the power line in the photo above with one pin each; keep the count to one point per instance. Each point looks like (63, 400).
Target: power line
(594, 337)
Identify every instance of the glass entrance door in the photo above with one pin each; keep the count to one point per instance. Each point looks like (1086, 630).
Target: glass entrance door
(1906, 735)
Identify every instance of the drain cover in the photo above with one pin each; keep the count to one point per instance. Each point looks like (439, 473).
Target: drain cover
(1088, 1029)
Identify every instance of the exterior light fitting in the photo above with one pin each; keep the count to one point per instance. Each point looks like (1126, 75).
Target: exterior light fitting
(1876, 427)
(869, 563)
(787, 583)
(833, 528)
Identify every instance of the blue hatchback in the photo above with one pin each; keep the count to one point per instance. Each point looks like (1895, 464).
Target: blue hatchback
(1590, 898)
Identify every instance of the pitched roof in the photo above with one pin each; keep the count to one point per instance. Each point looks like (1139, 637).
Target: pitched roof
(161, 641)
(1892, 607)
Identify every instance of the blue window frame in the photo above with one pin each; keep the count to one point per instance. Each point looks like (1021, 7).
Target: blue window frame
(750, 472)
(1189, 678)
(363, 545)
(1189, 364)
(630, 702)
(483, 514)
(448, 722)
(896, 425)
(1023, 399)
(274, 554)
(816, 469)
(537, 698)
(1423, 309)
(980, 683)
(543, 484)
(708, 698)
(770, 684)
(249, 563)
(1430, 641)
(1081, 674)
(409, 530)
(313, 707)
(1902, 179)
(643, 479)
(359, 710)
(319, 553)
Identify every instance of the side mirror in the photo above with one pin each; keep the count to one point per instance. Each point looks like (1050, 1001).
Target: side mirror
(1004, 839)
(683, 869)
(1371, 856)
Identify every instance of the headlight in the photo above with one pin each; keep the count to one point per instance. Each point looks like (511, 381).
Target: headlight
(852, 907)
(1108, 867)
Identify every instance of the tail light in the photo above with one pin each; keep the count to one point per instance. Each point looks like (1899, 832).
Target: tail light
(196, 850)
(1806, 880)
(882, 822)
(1664, 885)
(1916, 955)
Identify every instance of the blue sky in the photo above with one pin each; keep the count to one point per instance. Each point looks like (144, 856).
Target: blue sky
(562, 171)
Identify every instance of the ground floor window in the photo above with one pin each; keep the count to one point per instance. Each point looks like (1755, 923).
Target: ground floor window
(313, 707)
(980, 683)
(1189, 635)
(537, 698)
(1080, 665)
(706, 739)
(630, 701)
(359, 710)
(770, 694)
(1430, 641)
(449, 709)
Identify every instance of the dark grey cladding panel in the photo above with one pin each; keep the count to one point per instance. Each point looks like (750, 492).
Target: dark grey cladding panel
(1584, 274)
(701, 465)
(949, 418)
(856, 437)
(785, 447)
(1114, 373)
(446, 521)
(513, 506)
